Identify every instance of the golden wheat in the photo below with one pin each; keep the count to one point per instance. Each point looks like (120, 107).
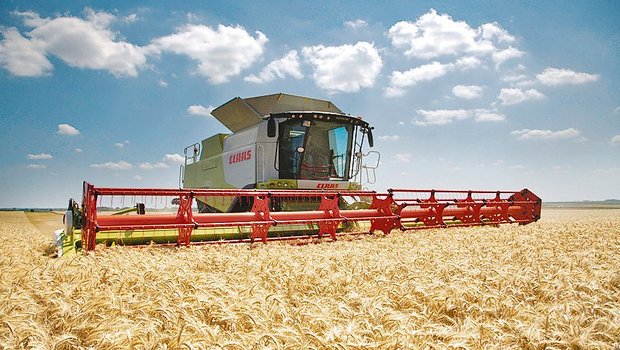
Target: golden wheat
(552, 284)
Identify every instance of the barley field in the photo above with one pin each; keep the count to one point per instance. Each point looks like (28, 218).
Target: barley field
(554, 284)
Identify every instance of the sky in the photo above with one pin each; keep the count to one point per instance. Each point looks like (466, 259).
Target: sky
(463, 95)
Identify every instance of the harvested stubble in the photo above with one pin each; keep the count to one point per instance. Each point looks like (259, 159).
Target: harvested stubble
(552, 284)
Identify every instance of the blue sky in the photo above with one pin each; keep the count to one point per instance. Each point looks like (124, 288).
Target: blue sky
(481, 95)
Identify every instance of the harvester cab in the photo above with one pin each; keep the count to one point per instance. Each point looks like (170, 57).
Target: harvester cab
(280, 141)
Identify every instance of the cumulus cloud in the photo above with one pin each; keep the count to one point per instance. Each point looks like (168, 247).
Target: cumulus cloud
(557, 76)
(346, 68)
(615, 140)
(23, 57)
(221, 53)
(166, 162)
(426, 72)
(79, 42)
(356, 24)
(403, 157)
(467, 63)
(121, 144)
(484, 115)
(493, 31)
(447, 116)
(434, 35)
(78, 150)
(502, 56)
(37, 166)
(151, 166)
(39, 156)
(514, 96)
(66, 129)
(389, 137)
(174, 159)
(441, 116)
(200, 110)
(513, 77)
(467, 92)
(278, 69)
(532, 134)
(130, 18)
(120, 165)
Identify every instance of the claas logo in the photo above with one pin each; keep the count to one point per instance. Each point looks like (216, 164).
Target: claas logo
(240, 157)
(326, 185)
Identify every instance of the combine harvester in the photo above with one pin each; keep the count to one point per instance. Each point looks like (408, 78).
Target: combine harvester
(293, 168)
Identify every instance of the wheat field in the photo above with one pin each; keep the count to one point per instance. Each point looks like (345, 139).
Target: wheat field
(554, 284)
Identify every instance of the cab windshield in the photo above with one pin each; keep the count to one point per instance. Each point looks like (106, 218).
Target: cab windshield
(314, 150)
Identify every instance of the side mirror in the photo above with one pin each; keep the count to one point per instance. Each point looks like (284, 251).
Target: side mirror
(371, 142)
(271, 127)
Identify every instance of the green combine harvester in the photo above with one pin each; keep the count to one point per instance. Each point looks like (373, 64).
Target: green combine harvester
(292, 167)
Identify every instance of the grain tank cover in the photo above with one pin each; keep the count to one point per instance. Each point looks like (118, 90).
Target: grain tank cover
(241, 113)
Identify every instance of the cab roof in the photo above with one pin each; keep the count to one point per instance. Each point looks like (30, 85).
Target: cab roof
(241, 113)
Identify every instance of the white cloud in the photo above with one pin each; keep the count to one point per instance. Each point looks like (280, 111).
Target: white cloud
(39, 156)
(447, 116)
(200, 110)
(426, 72)
(162, 83)
(467, 63)
(174, 159)
(31, 18)
(389, 137)
(130, 18)
(393, 91)
(441, 116)
(167, 160)
(23, 57)
(66, 129)
(615, 140)
(502, 56)
(278, 69)
(514, 96)
(221, 53)
(151, 166)
(532, 134)
(467, 91)
(37, 166)
(617, 110)
(78, 150)
(356, 24)
(121, 144)
(346, 68)
(403, 157)
(556, 76)
(434, 35)
(484, 115)
(513, 78)
(81, 43)
(120, 165)
(493, 31)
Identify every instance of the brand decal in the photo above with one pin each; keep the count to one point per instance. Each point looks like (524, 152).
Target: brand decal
(326, 185)
(240, 157)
